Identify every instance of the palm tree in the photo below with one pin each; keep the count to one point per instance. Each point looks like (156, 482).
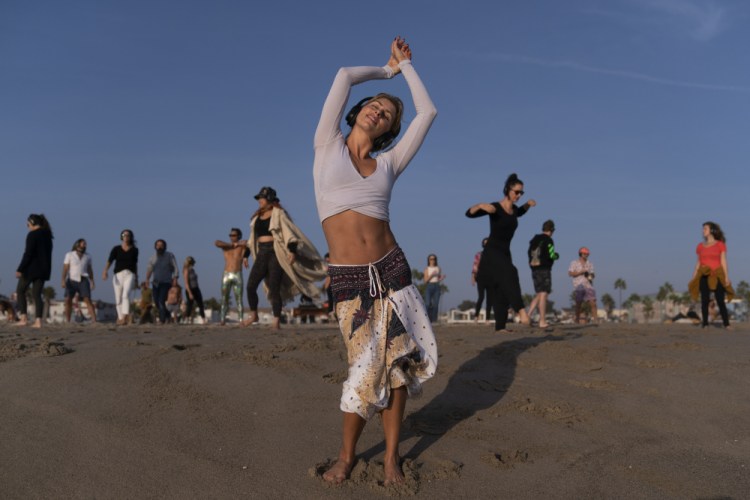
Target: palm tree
(630, 303)
(609, 303)
(648, 308)
(664, 292)
(620, 285)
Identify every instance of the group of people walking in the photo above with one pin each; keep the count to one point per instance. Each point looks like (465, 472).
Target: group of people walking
(282, 256)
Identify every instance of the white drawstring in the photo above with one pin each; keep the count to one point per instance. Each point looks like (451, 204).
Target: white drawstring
(377, 289)
(376, 286)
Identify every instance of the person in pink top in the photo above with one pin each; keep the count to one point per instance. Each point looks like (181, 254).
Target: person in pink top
(712, 270)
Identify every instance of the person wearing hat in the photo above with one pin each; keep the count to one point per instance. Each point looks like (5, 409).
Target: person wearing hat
(283, 257)
(35, 267)
(582, 272)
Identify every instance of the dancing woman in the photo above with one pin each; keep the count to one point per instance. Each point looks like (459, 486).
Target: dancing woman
(711, 272)
(35, 268)
(390, 346)
(496, 269)
(125, 280)
(282, 256)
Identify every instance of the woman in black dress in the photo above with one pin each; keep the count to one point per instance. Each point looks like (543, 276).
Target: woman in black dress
(496, 269)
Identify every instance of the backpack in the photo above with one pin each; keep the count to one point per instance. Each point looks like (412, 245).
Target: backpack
(535, 253)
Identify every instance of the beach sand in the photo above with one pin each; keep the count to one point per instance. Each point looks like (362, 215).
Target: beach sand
(609, 411)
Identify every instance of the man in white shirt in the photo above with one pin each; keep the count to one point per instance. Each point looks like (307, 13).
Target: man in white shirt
(582, 272)
(78, 278)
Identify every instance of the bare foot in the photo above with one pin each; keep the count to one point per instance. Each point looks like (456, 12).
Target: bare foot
(37, 324)
(543, 325)
(276, 325)
(393, 473)
(339, 471)
(21, 322)
(504, 330)
(524, 318)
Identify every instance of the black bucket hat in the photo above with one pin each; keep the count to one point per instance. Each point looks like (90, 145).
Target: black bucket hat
(267, 193)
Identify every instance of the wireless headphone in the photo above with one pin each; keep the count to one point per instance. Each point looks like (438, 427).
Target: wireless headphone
(381, 142)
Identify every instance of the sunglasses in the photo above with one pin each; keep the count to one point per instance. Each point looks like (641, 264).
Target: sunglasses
(234, 235)
(518, 192)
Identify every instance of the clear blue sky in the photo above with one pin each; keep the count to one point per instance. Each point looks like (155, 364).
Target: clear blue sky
(627, 121)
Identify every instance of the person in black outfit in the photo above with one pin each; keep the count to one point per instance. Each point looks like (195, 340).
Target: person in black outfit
(35, 267)
(542, 255)
(496, 267)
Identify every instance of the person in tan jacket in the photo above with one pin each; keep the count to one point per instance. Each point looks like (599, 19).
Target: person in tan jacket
(282, 256)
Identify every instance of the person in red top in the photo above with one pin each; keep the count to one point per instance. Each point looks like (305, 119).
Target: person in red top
(712, 268)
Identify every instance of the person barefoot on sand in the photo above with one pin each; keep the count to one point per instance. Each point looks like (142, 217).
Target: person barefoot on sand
(231, 280)
(496, 267)
(282, 256)
(35, 268)
(390, 345)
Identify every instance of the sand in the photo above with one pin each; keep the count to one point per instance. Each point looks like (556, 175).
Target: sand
(609, 411)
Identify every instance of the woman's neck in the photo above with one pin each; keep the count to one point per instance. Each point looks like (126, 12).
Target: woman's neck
(359, 144)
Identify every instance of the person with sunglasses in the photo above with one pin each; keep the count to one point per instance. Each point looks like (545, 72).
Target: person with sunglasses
(496, 269)
(231, 280)
(125, 279)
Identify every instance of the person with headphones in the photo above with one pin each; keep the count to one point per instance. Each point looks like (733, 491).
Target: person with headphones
(388, 336)
(125, 279)
(711, 273)
(496, 269)
(582, 272)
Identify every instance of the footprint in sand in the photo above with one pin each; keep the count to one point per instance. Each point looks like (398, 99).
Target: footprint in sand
(507, 459)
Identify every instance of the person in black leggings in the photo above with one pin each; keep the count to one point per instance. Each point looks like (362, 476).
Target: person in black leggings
(35, 267)
(481, 287)
(496, 269)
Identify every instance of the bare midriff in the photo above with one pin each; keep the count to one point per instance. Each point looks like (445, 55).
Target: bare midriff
(357, 239)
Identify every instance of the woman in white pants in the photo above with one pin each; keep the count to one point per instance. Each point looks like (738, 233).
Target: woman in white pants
(125, 280)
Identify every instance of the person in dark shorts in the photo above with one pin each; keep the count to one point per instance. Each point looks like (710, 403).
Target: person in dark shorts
(542, 256)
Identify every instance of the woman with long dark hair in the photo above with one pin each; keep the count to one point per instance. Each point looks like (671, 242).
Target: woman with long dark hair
(390, 345)
(282, 256)
(193, 293)
(496, 269)
(711, 273)
(432, 278)
(35, 268)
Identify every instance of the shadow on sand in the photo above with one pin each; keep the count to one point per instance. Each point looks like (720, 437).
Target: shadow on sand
(478, 384)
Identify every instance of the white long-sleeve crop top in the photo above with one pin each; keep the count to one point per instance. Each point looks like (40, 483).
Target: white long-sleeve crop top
(338, 184)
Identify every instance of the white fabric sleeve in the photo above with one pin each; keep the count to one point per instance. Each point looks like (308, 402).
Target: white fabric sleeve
(410, 143)
(329, 126)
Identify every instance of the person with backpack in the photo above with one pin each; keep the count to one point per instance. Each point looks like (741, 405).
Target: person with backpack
(542, 256)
